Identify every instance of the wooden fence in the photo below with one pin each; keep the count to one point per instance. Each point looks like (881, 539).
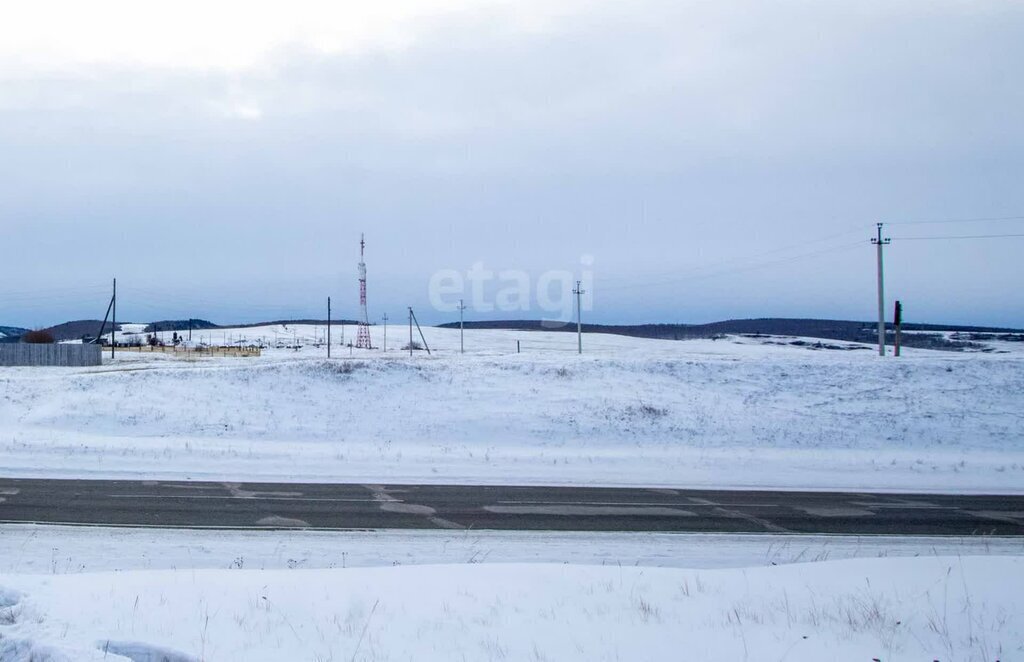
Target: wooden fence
(189, 352)
(27, 354)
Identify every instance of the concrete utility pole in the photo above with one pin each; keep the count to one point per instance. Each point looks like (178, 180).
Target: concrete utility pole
(385, 318)
(879, 242)
(579, 316)
(462, 341)
(410, 330)
(113, 322)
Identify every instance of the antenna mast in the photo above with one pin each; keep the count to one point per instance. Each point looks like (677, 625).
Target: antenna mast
(363, 333)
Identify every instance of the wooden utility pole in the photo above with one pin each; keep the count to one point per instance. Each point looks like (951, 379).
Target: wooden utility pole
(328, 327)
(897, 319)
(106, 316)
(422, 337)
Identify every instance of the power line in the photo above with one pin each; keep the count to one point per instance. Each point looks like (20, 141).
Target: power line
(741, 269)
(961, 236)
(54, 294)
(687, 273)
(697, 272)
(983, 219)
(59, 289)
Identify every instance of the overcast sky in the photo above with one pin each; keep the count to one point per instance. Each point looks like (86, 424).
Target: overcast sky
(703, 160)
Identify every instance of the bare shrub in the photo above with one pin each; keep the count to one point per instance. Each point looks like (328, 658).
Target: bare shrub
(648, 611)
(38, 337)
(345, 367)
(646, 411)
(650, 411)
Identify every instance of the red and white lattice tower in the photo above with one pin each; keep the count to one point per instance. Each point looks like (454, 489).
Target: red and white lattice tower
(363, 334)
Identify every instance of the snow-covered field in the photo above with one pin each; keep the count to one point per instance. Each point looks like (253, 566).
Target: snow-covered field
(731, 412)
(95, 593)
(945, 608)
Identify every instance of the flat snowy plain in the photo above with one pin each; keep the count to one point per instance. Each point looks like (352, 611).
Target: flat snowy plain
(96, 593)
(944, 608)
(734, 412)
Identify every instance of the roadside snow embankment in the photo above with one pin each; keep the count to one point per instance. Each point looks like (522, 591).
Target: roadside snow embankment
(921, 609)
(679, 414)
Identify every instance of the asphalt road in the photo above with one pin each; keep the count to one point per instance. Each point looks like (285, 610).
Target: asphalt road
(347, 506)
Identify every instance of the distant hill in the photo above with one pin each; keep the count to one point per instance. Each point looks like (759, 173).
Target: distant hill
(74, 330)
(67, 331)
(11, 333)
(178, 325)
(285, 322)
(847, 330)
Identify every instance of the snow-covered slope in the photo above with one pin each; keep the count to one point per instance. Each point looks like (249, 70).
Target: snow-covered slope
(732, 412)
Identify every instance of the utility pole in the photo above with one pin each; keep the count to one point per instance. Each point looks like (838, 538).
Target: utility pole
(190, 329)
(113, 322)
(328, 327)
(422, 337)
(879, 242)
(106, 316)
(410, 330)
(385, 318)
(462, 341)
(897, 320)
(579, 317)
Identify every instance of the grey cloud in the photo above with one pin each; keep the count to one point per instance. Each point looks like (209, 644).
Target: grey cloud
(656, 137)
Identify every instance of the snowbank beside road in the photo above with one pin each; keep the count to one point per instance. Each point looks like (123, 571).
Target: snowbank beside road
(630, 412)
(925, 608)
(52, 550)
